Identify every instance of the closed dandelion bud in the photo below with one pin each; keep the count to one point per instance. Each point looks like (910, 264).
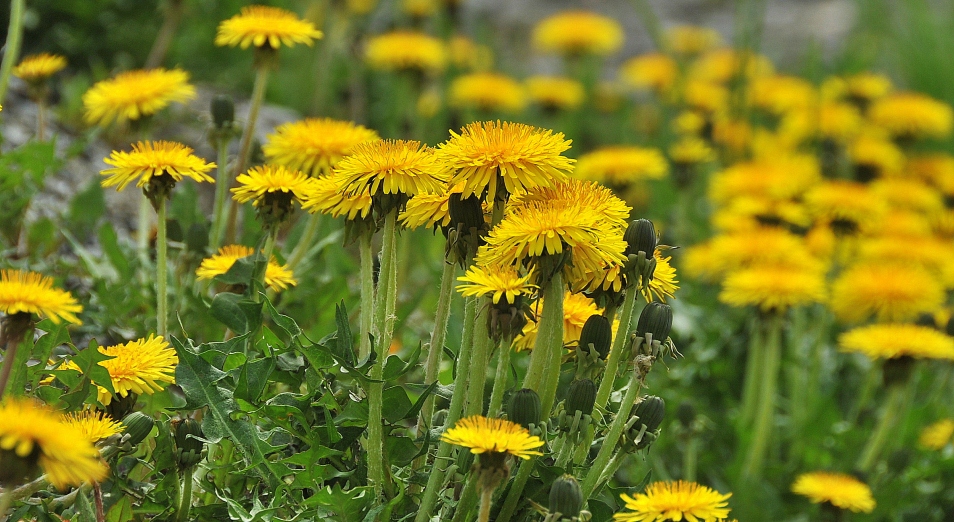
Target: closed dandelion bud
(138, 425)
(188, 444)
(650, 411)
(686, 413)
(581, 397)
(566, 497)
(640, 236)
(524, 408)
(223, 111)
(466, 212)
(655, 320)
(598, 332)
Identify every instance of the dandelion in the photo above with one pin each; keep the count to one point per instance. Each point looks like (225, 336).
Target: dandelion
(664, 501)
(391, 167)
(406, 50)
(135, 94)
(840, 490)
(153, 164)
(937, 435)
(909, 194)
(314, 145)
(620, 165)
(691, 40)
(273, 190)
(691, 151)
(33, 293)
(277, 277)
(489, 436)
(867, 86)
(781, 94)
(578, 32)
(876, 154)
(95, 425)
(889, 292)
(577, 308)
(487, 91)
(848, 205)
(327, 195)
(143, 366)
(37, 68)
(265, 27)
(663, 284)
(773, 288)
(894, 340)
(656, 72)
(555, 92)
(912, 115)
(724, 65)
(838, 121)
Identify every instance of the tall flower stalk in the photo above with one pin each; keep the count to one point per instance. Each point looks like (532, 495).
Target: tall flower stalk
(11, 49)
(768, 389)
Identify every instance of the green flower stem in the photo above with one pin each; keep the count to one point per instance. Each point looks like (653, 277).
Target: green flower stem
(12, 48)
(468, 500)
(894, 405)
(753, 373)
(690, 459)
(367, 296)
(551, 324)
(501, 376)
(516, 490)
(305, 242)
(383, 327)
(245, 146)
(486, 499)
(616, 351)
(185, 500)
(611, 468)
(268, 251)
(436, 347)
(612, 437)
(162, 297)
(479, 360)
(9, 355)
(222, 202)
(6, 500)
(41, 120)
(98, 503)
(442, 461)
(143, 229)
(765, 413)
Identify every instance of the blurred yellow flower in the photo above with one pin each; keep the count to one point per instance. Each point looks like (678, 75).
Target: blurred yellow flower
(912, 115)
(33, 293)
(134, 94)
(264, 26)
(724, 65)
(314, 145)
(691, 39)
(621, 164)
(690, 150)
(889, 291)
(774, 288)
(780, 94)
(577, 308)
(487, 91)
(555, 92)
(38, 67)
(937, 435)
(893, 340)
(837, 489)
(399, 50)
(654, 71)
(578, 32)
(277, 277)
(847, 205)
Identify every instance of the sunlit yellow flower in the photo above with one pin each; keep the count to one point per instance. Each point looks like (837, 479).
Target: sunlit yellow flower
(483, 435)
(38, 67)
(909, 194)
(467, 55)
(664, 284)
(40, 435)
(327, 195)
(890, 291)
(889, 341)
(134, 94)
(675, 501)
(843, 491)
(690, 150)
(654, 71)
(935, 169)
(691, 39)
(931, 253)
(773, 288)
(705, 96)
(743, 249)
(392, 167)
(427, 210)
(592, 195)
(723, 65)
(95, 425)
(485, 154)
(500, 282)
(400, 50)
(555, 92)
(277, 277)
(33, 293)
(577, 308)
(143, 366)
(264, 26)
(314, 145)
(259, 183)
(937, 435)
(776, 178)
(152, 159)
(838, 121)
(578, 32)
(847, 204)
(913, 115)
(867, 86)
(621, 164)
(764, 209)
(779, 94)
(487, 91)
(877, 152)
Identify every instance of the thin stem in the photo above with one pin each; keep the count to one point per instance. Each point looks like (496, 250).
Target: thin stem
(41, 120)
(550, 334)
(12, 48)
(222, 202)
(468, 498)
(245, 146)
(612, 437)
(8, 357)
(436, 347)
(367, 296)
(162, 297)
(765, 414)
(98, 502)
(755, 359)
(540, 355)
(516, 490)
(6, 500)
(142, 232)
(160, 47)
(479, 361)
(611, 467)
(889, 416)
(185, 500)
(486, 499)
(501, 377)
(690, 459)
(305, 242)
(616, 351)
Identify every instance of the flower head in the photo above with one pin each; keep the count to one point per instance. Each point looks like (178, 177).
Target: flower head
(555, 92)
(484, 435)
(577, 308)
(395, 167)
(667, 501)
(142, 366)
(134, 94)
(95, 425)
(273, 189)
(277, 277)
(773, 288)
(149, 160)
(33, 293)
(327, 195)
(937, 435)
(578, 32)
(400, 50)
(867, 86)
(500, 282)
(690, 39)
(264, 26)
(314, 145)
(890, 292)
(690, 150)
(621, 165)
(915, 115)
(890, 341)
(664, 284)
(40, 435)
(845, 203)
(487, 91)
(843, 491)
(655, 71)
(39, 67)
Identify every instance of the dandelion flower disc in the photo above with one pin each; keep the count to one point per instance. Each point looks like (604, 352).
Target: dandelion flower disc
(485, 435)
(314, 145)
(674, 501)
(891, 341)
(134, 94)
(578, 32)
(401, 50)
(95, 425)
(487, 91)
(937, 435)
(499, 282)
(277, 277)
(621, 164)
(395, 167)
(39, 67)
(142, 366)
(264, 26)
(555, 92)
(887, 292)
(152, 159)
(840, 490)
(773, 288)
(33, 293)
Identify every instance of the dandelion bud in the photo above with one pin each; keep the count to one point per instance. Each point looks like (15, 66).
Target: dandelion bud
(138, 425)
(524, 408)
(566, 497)
(223, 111)
(581, 397)
(188, 443)
(655, 320)
(648, 415)
(640, 236)
(686, 413)
(597, 332)
(466, 212)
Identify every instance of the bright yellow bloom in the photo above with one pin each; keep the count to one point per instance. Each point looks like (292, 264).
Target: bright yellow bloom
(890, 292)
(935, 169)
(592, 195)
(142, 366)
(95, 425)
(867, 86)
(39, 67)
(484, 435)
(577, 308)
(876, 151)
(555, 92)
(690, 150)
(487, 91)
(724, 65)
(705, 96)
(314, 145)
(775, 178)
(675, 501)
(654, 71)
(759, 246)
(400, 50)
(521, 156)
(893, 340)
(578, 32)
(773, 288)
(838, 121)
(843, 491)
(430, 210)
(500, 282)
(151, 159)
(845, 203)
(664, 284)
(33, 293)
(934, 254)
(392, 167)
(909, 194)
(621, 165)
(327, 195)
(937, 435)
(277, 277)
(265, 180)
(780, 94)
(914, 115)
(898, 222)
(134, 94)
(35, 431)
(691, 40)
(264, 26)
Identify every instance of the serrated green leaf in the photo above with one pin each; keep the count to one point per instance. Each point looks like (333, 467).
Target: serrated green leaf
(285, 323)
(395, 404)
(88, 362)
(240, 273)
(347, 505)
(239, 313)
(254, 378)
(394, 367)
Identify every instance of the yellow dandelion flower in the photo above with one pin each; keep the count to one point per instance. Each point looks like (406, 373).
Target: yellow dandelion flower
(500, 282)
(621, 164)
(665, 501)
(521, 156)
(937, 435)
(277, 277)
(909, 194)
(33, 293)
(899, 222)
(153, 159)
(391, 167)
(578, 32)
(314, 145)
(735, 135)
(655, 71)
(430, 210)
(776, 178)
(484, 435)
(577, 308)
(38, 67)
(134, 94)
(705, 96)
(465, 54)
(400, 50)
(264, 26)
(929, 252)
(838, 121)
(259, 183)
(95, 425)
(420, 8)
(39, 435)
(326, 194)
(914, 115)
(877, 152)
(840, 490)
(555, 92)
(846, 204)
(664, 284)
(934, 169)
(487, 91)
(773, 288)
(893, 340)
(767, 210)
(723, 65)
(943, 223)
(142, 366)
(690, 150)
(867, 86)
(780, 94)
(888, 291)
(762, 246)
(592, 195)
(691, 39)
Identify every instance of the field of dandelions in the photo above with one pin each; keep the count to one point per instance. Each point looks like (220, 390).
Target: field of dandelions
(690, 284)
